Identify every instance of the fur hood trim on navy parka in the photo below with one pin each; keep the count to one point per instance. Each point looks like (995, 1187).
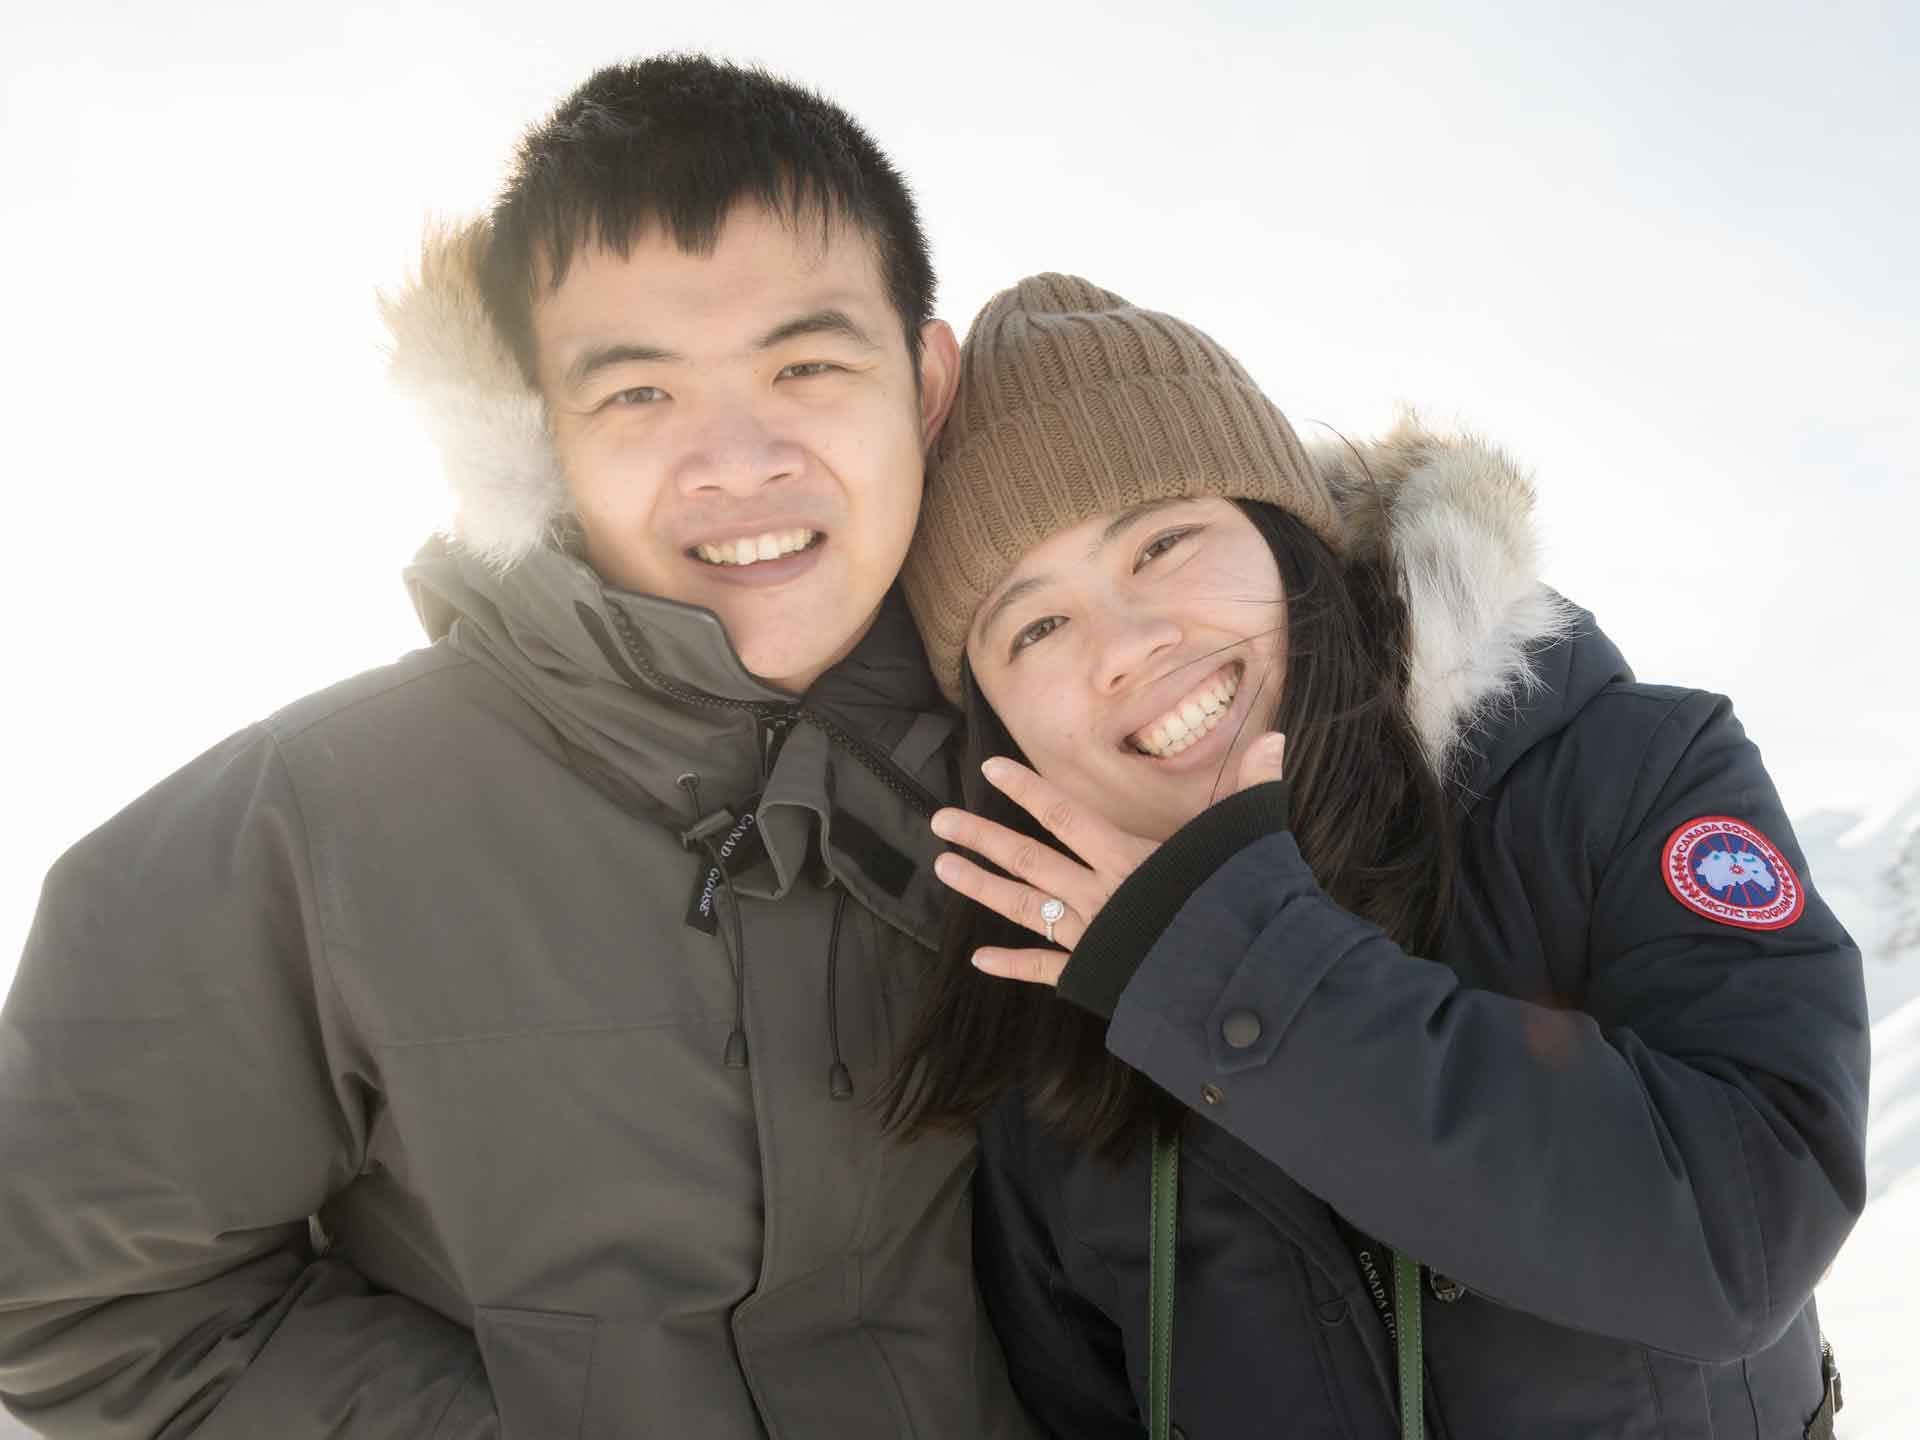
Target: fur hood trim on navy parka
(1455, 516)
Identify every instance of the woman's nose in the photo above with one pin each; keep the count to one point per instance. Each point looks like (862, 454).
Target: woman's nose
(1129, 641)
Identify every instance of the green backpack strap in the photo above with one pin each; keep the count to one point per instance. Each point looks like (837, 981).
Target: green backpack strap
(1406, 1309)
(1162, 1207)
(1162, 1219)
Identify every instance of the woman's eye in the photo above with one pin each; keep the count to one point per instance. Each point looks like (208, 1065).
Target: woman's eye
(1160, 544)
(1038, 630)
(638, 395)
(808, 369)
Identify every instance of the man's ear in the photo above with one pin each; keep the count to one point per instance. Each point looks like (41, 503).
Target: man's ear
(939, 378)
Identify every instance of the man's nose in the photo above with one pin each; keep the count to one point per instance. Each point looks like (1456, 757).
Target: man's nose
(733, 451)
(1129, 640)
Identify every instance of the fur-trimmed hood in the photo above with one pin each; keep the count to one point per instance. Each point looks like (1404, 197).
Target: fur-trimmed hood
(1455, 516)
(1454, 512)
(491, 427)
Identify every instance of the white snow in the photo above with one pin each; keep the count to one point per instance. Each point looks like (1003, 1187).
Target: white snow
(1868, 1309)
(1870, 1300)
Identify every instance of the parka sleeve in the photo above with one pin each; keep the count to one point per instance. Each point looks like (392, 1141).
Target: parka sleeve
(179, 1093)
(1674, 1162)
(1064, 1356)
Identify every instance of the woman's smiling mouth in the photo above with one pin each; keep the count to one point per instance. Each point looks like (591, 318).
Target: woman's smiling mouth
(1193, 717)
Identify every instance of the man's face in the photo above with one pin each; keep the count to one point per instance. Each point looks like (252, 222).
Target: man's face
(742, 430)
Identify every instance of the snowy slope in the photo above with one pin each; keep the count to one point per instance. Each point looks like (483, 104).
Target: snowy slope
(1848, 857)
(1870, 1300)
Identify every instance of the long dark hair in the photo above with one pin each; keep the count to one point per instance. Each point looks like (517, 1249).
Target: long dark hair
(1368, 813)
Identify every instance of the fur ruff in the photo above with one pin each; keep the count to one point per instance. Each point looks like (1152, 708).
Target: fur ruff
(490, 427)
(1455, 513)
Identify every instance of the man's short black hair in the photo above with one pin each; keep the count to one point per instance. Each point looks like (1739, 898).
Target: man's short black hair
(675, 141)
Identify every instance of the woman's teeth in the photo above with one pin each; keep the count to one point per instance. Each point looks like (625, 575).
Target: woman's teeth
(1192, 719)
(748, 551)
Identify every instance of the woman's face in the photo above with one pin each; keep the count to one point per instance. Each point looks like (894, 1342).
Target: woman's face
(1135, 656)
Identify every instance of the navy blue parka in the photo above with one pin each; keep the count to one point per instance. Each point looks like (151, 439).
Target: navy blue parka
(1623, 1127)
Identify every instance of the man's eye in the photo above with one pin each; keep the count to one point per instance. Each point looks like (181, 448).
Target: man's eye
(807, 369)
(1037, 631)
(1160, 544)
(638, 395)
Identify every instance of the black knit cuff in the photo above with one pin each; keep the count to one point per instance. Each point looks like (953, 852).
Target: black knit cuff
(1131, 923)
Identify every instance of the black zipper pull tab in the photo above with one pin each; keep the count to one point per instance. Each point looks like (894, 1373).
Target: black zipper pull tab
(839, 1078)
(773, 735)
(700, 837)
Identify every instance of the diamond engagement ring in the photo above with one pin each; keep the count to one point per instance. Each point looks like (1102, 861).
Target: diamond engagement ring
(1050, 913)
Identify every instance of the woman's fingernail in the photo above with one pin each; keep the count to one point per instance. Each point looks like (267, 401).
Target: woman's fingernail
(940, 824)
(993, 769)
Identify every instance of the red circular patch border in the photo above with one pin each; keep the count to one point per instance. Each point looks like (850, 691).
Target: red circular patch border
(1784, 909)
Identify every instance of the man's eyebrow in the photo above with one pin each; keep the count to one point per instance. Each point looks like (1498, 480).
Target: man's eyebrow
(592, 362)
(1112, 531)
(828, 321)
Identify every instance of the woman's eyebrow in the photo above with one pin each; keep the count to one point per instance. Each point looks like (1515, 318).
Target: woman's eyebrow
(1112, 531)
(1118, 525)
(1012, 593)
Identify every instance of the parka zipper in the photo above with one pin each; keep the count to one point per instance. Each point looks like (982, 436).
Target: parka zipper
(773, 734)
(776, 721)
(775, 715)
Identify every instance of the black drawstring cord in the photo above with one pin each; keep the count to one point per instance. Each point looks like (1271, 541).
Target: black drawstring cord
(734, 939)
(839, 1078)
(735, 1056)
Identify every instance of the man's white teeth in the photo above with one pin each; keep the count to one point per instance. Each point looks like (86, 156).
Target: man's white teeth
(1190, 720)
(770, 546)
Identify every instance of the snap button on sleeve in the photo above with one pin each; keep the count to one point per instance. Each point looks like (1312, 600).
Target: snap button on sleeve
(1240, 1029)
(1445, 1288)
(1212, 1094)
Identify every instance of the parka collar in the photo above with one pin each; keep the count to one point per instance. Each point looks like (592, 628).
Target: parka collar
(561, 607)
(1565, 672)
(644, 692)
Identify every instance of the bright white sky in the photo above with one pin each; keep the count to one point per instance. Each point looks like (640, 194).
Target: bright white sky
(1666, 259)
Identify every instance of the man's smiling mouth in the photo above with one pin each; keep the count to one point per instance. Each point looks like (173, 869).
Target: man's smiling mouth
(752, 549)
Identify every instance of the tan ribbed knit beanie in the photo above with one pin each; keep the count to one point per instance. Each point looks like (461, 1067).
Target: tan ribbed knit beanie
(1072, 404)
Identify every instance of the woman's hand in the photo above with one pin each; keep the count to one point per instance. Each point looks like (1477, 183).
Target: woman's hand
(1106, 856)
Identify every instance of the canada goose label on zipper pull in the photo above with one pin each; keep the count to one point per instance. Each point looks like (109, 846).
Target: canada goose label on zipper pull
(742, 848)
